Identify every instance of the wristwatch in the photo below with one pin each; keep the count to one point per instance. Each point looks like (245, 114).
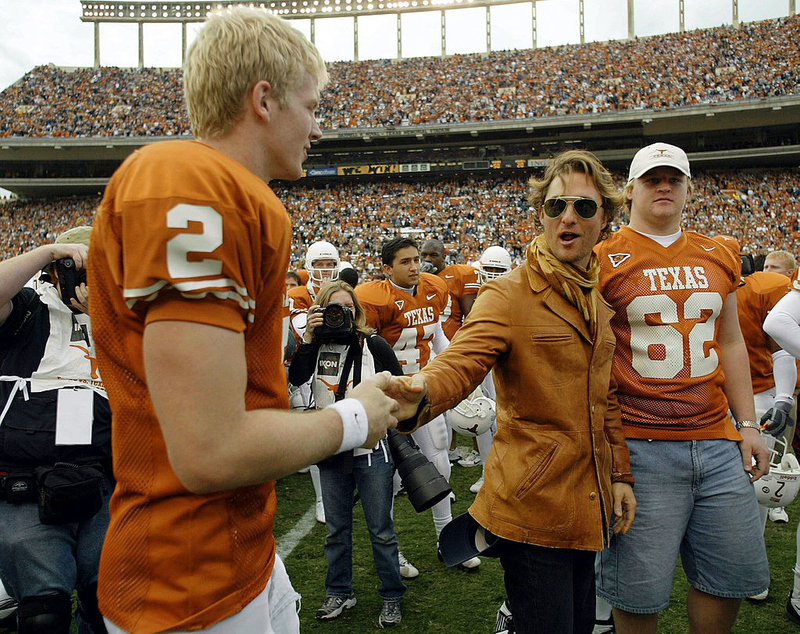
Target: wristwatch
(749, 423)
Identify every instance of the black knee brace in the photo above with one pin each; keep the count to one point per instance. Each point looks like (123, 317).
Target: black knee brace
(45, 614)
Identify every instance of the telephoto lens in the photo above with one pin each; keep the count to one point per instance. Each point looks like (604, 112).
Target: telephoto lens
(422, 481)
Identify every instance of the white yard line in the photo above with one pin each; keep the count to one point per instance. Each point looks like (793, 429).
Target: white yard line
(289, 541)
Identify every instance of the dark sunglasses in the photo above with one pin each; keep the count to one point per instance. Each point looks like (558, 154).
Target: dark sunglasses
(584, 207)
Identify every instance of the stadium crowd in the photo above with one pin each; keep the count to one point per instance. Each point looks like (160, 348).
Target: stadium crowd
(754, 61)
(761, 208)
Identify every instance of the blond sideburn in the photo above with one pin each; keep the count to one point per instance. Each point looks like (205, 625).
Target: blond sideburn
(235, 49)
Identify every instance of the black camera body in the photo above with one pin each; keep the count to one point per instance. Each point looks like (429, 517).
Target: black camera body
(68, 278)
(337, 324)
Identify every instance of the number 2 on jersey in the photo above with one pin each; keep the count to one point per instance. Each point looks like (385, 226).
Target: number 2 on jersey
(179, 247)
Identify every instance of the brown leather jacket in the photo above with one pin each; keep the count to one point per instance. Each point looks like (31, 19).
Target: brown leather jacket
(559, 442)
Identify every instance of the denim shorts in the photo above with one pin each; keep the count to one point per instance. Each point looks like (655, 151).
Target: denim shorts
(695, 499)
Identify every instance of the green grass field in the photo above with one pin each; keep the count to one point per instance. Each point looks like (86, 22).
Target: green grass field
(450, 601)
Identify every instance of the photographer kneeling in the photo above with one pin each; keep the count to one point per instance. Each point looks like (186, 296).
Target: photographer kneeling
(337, 351)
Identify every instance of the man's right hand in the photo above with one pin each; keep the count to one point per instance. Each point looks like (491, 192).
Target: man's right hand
(408, 391)
(381, 409)
(78, 252)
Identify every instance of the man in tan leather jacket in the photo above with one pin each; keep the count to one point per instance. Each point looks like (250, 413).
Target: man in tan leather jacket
(558, 474)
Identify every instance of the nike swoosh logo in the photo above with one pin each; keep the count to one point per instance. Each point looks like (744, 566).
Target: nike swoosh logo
(430, 297)
(449, 277)
(708, 249)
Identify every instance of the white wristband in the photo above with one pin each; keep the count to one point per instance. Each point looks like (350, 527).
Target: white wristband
(355, 426)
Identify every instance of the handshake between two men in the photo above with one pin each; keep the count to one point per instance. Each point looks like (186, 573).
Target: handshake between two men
(388, 400)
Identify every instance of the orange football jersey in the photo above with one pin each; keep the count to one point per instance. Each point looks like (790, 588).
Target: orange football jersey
(667, 302)
(184, 234)
(754, 299)
(461, 280)
(406, 321)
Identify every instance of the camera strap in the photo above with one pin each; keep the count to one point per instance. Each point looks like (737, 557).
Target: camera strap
(355, 348)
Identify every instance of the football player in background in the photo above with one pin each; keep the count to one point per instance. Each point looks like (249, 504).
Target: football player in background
(462, 285)
(405, 309)
(783, 325)
(189, 253)
(679, 354)
(322, 265)
(773, 371)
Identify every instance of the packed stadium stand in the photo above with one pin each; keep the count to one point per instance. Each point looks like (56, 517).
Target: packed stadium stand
(468, 208)
(754, 61)
(761, 208)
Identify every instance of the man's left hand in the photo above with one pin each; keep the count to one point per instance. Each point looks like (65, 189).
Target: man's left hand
(753, 447)
(624, 506)
(81, 299)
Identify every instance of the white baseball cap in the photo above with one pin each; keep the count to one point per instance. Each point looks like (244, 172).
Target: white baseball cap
(658, 155)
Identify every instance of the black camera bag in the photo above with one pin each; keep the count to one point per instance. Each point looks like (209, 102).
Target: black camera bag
(69, 493)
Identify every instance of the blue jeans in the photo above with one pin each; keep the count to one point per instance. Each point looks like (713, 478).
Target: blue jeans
(550, 590)
(38, 559)
(693, 497)
(372, 476)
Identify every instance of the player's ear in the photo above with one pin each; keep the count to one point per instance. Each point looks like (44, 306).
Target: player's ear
(261, 100)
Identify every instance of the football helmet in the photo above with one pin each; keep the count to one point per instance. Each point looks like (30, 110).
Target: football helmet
(473, 416)
(322, 251)
(494, 262)
(781, 485)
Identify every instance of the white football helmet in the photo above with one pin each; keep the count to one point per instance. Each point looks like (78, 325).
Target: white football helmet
(494, 262)
(780, 486)
(473, 416)
(322, 251)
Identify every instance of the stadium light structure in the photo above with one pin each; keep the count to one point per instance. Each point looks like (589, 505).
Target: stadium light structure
(184, 11)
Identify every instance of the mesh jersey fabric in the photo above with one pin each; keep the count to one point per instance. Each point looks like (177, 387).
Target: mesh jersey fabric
(667, 302)
(755, 297)
(407, 322)
(461, 280)
(184, 233)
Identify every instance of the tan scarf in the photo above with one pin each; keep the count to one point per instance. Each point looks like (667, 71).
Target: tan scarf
(573, 283)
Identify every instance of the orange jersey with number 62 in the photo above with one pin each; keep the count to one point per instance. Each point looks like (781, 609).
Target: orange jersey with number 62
(667, 303)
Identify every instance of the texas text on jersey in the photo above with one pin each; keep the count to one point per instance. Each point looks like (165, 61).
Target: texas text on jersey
(406, 321)
(667, 362)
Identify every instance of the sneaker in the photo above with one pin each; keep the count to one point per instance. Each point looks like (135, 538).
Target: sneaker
(604, 626)
(473, 459)
(454, 455)
(470, 565)
(778, 515)
(477, 485)
(407, 569)
(793, 609)
(390, 614)
(504, 623)
(320, 511)
(761, 596)
(452, 497)
(334, 606)
(304, 470)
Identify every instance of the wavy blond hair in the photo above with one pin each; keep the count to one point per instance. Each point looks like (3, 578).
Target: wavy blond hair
(583, 162)
(236, 48)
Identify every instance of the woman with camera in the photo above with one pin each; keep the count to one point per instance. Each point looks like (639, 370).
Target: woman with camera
(337, 351)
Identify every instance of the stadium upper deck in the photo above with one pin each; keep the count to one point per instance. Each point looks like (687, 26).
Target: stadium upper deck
(755, 61)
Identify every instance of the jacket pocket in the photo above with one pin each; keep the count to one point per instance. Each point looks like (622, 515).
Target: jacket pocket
(536, 471)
